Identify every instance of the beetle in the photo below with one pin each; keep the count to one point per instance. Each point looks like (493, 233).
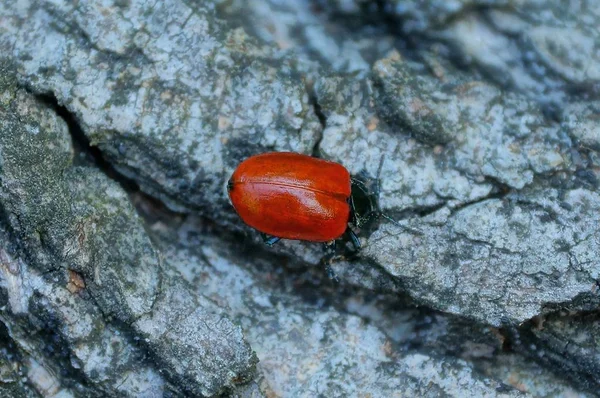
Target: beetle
(294, 196)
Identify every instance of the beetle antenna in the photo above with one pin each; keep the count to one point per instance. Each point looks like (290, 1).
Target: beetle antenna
(382, 214)
(404, 227)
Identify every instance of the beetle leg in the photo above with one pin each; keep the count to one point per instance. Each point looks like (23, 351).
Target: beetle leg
(355, 240)
(353, 214)
(331, 273)
(270, 240)
(330, 248)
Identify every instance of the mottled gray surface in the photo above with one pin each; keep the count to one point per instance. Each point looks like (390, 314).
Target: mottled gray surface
(312, 347)
(345, 343)
(480, 118)
(543, 49)
(488, 247)
(82, 269)
(312, 36)
(161, 88)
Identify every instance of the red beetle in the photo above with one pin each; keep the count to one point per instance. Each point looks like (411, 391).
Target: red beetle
(293, 196)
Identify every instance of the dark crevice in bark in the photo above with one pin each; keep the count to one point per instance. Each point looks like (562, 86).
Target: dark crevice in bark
(319, 112)
(500, 191)
(85, 153)
(418, 211)
(549, 353)
(322, 119)
(91, 156)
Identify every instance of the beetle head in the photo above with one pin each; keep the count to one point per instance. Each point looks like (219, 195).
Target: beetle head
(364, 203)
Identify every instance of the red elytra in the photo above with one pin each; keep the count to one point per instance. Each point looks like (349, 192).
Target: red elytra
(292, 196)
